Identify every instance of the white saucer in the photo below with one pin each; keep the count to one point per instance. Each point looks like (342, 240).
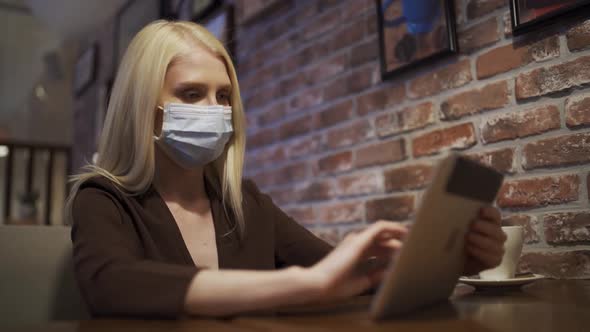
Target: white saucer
(516, 281)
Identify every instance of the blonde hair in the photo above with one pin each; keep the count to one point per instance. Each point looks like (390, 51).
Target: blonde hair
(126, 147)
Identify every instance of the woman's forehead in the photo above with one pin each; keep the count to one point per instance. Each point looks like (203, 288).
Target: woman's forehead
(198, 65)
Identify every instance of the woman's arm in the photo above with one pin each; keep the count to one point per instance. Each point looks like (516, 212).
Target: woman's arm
(113, 274)
(226, 292)
(220, 293)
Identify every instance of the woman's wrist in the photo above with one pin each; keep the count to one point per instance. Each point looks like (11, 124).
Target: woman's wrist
(310, 284)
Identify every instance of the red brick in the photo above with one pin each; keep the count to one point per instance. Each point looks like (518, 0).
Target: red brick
(567, 227)
(511, 56)
(360, 79)
(371, 23)
(338, 162)
(351, 34)
(291, 173)
(550, 79)
(449, 77)
(296, 127)
(359, 184)
(457, 137)
(391, 208)
(530, 226)
(365, 52)
(307, 98)
(272, 114)
(304, 57)
(568, 264)
(385, 97)
(285, 195)
(407, 177)
(268, 155)
(317, 191)
(294, 83)
(303, 215)
(253, 9)
(307, 12)
(490, 97)
(557, 151)
(521, 124)
(480, 35)
(588, 186)
(539, 191)
(264, 179)
(322, 24)
(341, 212)
(263, 97)
(280, 28)
(262, 76)
(353, 133)
(577, 111)
(479, 8)
(381, 153)
(352, 83)
(327, 68)
(335, 114)
(578, 37)
(501, 160)
(262, 137)
(336, 89)
(304, 146)
(353, 9)
(410, 118)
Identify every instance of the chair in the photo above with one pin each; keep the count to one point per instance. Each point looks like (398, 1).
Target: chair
(37, 281)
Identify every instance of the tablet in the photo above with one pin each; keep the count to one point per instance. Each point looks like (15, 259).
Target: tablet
(428, 266)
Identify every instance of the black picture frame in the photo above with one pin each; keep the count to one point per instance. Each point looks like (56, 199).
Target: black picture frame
(126, 28)
(201, 9)
(223, 15)
(451, 47)
(85, 69)
(575, 9)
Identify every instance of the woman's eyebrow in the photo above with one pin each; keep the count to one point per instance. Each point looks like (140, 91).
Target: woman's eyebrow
(194, 84)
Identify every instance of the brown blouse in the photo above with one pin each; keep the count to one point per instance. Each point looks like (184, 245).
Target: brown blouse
(130, 258)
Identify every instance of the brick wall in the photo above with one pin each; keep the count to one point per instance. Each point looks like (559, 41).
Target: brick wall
(339, 148)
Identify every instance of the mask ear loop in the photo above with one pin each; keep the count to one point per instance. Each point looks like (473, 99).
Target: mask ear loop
(156, 137)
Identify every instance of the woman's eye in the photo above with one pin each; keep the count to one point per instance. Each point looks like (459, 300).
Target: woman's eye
(191, 95)
(223, 98)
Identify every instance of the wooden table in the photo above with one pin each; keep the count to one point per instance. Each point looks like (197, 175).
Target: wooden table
(547, 305)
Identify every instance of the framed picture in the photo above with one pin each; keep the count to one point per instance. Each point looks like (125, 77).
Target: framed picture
(169, 9)
(530, 15)
(200, 9)
(412, 32)
(221, 25)
(85, 69)
(133, 17)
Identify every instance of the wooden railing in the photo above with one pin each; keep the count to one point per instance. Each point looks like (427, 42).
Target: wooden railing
(29, 174)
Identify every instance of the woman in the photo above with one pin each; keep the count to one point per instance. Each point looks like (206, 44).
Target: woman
(163, 224)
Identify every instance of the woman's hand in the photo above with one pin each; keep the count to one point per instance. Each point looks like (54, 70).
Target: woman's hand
(340, 274)
(484, 243)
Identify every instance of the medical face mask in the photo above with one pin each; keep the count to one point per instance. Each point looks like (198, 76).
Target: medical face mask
(194, 135)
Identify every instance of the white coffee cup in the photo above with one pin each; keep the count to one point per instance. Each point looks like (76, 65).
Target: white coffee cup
(512, 251)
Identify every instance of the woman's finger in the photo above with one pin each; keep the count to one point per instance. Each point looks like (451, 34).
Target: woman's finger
(393, 244)
(491, 213)
(488, 229)
(485, 243)
(374, 231)
(488, 259)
